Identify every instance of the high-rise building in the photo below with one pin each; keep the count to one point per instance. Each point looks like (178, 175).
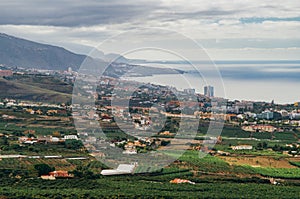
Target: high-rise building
(70, 69)
(209, 91)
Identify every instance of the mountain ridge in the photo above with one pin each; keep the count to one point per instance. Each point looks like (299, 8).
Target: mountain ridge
(25, 53)
(20, 52)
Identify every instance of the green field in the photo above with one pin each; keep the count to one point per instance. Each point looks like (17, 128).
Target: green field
(35, 89)
(133, 187)
(278, 172)
(236, 132)
(214, 177)
(297, 164)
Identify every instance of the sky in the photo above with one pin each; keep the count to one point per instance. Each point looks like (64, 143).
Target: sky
(227, 30)
(176, 30)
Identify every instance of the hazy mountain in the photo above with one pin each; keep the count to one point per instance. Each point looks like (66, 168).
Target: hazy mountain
(28, 54)
(112, 57)
(23, 53)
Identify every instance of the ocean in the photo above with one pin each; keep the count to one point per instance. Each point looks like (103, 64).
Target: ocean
(241, 80)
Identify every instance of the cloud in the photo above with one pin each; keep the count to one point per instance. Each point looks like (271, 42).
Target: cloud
(72, 13)
(267, 43)
(93, 12)
(217, 25)
(254, 53)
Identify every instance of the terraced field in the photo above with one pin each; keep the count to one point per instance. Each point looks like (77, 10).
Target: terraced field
(259, 161)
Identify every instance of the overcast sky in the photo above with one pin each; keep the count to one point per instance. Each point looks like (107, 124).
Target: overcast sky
(227, 29)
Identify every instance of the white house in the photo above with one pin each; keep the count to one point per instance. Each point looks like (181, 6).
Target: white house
(242, 147)
(70, 137)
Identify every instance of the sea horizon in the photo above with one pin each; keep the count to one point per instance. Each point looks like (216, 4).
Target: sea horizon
(267, 80)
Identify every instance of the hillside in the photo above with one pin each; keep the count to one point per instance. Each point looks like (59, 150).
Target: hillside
(28, 54)
(26, 89)
(19, 52)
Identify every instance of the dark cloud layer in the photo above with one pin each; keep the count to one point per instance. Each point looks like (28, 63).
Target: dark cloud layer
(73, 13)
(70, 13)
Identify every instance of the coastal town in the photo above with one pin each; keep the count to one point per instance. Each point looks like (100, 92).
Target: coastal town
(249, 127)
(149, 99)
(80, 127)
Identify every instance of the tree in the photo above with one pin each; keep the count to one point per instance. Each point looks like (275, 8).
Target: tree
(56, 134)
(259, 145)
(73, 144)
(5, 141)
(84, 172)
(43, 169)
(265, 145)
(277, 147)
(165, 142)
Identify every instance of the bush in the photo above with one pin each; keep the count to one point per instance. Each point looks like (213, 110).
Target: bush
(43, 169)
(73, 144)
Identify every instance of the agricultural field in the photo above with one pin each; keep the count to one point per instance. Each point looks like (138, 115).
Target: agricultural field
(243, 173)
(259, 161)
(38, 88)
(129, 186)
(230, 131)
(297, 164)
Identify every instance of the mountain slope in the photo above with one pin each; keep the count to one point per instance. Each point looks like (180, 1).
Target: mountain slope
(28, 54)
(23, 53)
(27, 91)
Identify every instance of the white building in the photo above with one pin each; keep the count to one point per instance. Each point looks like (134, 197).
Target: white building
(242, 147)
(122, 169)
(70, 137)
